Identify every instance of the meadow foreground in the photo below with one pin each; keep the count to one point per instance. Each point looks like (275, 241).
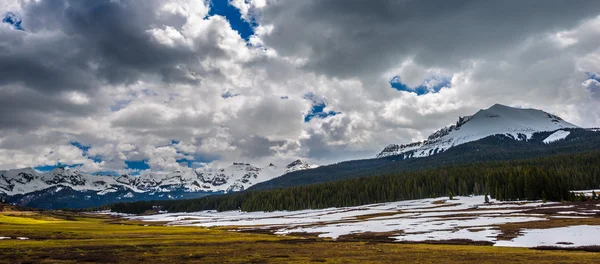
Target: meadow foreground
(65, 237)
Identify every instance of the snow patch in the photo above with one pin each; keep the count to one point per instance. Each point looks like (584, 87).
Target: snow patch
(587, 192)
(556, 136)
(570, 236)
(438, 219)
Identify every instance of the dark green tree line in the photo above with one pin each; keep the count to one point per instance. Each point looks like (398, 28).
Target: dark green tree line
(549, 178)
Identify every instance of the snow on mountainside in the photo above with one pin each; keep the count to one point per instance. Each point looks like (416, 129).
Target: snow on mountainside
(516, 123)
(556, 136)
(236, 177)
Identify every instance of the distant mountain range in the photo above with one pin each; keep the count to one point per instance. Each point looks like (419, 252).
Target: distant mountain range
(70, 188)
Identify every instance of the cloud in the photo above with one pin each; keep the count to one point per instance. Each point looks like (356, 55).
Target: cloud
(593, 86)
(349, 38)
(174, 83)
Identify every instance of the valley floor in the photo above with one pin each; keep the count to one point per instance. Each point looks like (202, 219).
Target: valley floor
(461, 220)
(63, 237)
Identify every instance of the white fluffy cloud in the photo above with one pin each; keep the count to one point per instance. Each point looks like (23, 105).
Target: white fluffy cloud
(161, 81)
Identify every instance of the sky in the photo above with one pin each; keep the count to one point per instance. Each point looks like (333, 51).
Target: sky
(124, 86)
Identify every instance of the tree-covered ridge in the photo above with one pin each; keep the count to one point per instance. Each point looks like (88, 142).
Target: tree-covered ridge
(550, 177)
(493, 148)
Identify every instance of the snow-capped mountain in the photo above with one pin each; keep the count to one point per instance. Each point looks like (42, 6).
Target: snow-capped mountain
(236, 177)
(515, 123)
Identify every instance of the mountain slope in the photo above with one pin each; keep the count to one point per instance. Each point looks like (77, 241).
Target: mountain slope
(492, 148)
(516, 123)
(497, 133)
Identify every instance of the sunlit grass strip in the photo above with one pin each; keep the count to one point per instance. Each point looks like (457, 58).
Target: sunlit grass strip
(110, 240)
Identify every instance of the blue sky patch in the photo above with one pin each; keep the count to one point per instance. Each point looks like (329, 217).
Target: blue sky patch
(14, 20)
(430, 85)
(318, 108)
(47, 168)
(85, 150)
(233, 15)
(137, 164)
(317, 111)
(81, 146)
(593, 76)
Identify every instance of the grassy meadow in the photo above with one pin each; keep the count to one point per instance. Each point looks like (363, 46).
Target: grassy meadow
(64, 237)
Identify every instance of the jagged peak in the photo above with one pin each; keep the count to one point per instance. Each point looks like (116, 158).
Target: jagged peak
(235, 177)
(392, 145)
(296, 163)
(62, 170)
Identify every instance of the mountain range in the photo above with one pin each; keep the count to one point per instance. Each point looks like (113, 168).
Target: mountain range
(32, 188)
(497, 133)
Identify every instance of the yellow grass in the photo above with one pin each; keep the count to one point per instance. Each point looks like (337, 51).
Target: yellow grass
(86, 239)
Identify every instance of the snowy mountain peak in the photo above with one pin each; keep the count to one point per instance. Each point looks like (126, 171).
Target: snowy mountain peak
(236, 177)
(11, 174)
(295, 163)
(516, 123)
(298, 165)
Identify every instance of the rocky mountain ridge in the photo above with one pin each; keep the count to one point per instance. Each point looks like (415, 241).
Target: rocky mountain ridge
(515, 123)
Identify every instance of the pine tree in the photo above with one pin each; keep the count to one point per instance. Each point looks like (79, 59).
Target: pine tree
(487, 199)
(544, 198)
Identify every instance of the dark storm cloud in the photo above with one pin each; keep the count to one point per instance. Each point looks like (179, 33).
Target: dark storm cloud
(110, 38)
(25, 109)
(82, 46)
(95, 42)
(355, 37)
(255, 146)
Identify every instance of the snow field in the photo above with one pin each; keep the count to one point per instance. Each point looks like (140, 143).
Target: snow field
(435, 219)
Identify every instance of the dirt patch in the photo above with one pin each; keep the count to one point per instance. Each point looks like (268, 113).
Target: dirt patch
(583, 248)
(553, 209)
(476, 229)
(370, 237)
(369, 216)
(451, 242)
(262, 230)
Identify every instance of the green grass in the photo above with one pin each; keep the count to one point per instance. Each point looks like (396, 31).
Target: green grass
(69, 238)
